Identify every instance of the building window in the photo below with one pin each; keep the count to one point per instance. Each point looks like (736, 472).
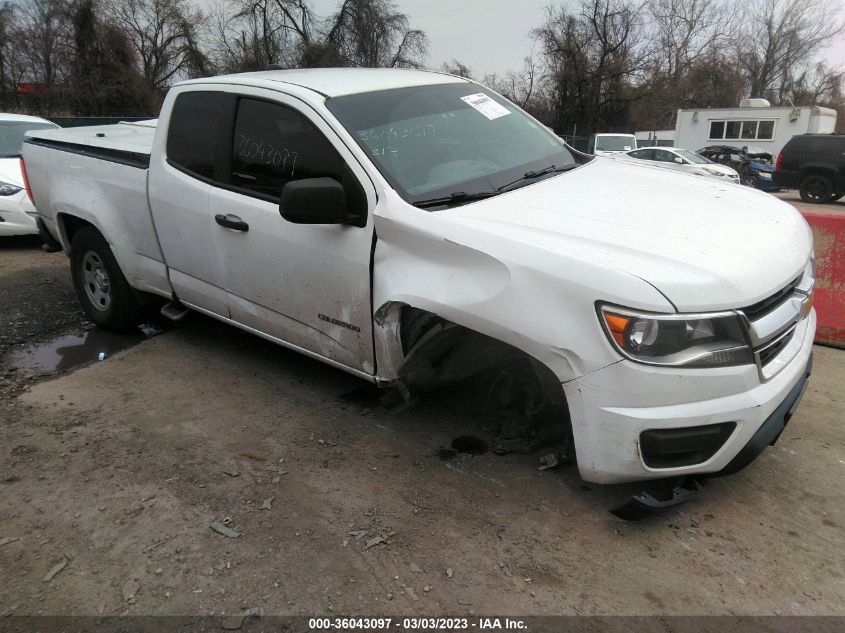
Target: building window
(766, 130)
(742, 130)
(717, 129)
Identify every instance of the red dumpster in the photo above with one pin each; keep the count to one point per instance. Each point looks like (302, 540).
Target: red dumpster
(829, 239)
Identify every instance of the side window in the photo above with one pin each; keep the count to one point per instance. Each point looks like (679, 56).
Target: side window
(732, 129)
(274, 144)
(766, 130)
(644, 154)
(717, 129)
(663, 156)
(190, 144)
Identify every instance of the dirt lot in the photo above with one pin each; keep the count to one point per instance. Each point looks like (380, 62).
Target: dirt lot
(111, 475)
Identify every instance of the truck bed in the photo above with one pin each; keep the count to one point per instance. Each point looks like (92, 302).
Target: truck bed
(99, 175)
(135, 138)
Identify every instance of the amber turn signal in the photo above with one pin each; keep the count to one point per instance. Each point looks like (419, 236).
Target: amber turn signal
(616, 324)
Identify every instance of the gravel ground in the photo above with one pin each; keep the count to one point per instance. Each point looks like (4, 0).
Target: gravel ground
(112, 474)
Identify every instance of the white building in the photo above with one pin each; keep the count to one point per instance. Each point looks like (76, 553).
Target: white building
(755, 124)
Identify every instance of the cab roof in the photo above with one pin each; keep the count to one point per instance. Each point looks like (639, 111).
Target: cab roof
(335, 82)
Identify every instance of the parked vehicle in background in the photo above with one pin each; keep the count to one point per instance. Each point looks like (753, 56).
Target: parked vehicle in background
(753, 166)
(416, 229)
(17, 215)
(684, 161)
(815, 165)
(611, 143)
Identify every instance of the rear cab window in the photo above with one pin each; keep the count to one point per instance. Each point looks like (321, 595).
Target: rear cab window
(192, 145)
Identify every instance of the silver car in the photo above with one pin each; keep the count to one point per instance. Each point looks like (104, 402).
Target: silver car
(685, 161)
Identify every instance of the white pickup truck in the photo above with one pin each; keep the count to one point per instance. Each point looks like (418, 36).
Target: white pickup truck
(415, 228)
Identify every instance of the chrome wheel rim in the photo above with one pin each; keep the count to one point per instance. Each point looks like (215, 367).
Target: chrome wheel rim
(96, 281)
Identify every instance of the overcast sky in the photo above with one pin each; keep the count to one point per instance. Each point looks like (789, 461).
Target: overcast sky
(487, 35)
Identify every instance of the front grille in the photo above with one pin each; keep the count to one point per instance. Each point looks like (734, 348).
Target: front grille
(754, 312)
(773, 349)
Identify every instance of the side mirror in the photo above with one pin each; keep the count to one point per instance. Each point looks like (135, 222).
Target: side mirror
(314, 201)
(679, 160)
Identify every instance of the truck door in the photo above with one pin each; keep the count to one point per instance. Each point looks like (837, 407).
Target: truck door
(183, 164)
(307, 285)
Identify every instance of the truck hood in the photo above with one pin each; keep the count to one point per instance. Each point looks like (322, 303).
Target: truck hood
(706, 245)
(10, 171)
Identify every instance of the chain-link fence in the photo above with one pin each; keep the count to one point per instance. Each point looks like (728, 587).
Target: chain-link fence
(581, 143)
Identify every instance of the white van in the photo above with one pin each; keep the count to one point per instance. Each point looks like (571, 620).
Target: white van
(612, 143)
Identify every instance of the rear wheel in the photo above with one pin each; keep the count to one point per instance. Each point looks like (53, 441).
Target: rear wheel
(102, 289)
(817, 188)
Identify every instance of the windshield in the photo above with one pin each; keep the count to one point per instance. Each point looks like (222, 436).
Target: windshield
(440, 140)
(12, 133)
(693, 157)
(615, 143)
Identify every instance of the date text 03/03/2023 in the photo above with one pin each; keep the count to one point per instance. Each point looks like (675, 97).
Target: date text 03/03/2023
(416, 624)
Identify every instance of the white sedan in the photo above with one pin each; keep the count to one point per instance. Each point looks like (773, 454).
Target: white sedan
(17, 215)
(685, 161)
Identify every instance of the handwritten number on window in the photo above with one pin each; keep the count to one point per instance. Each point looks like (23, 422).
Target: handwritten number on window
(266, 153)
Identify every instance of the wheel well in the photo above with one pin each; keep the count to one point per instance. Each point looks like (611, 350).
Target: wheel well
(817, 171)
(438, 351)
(70, 225)
(522, 393)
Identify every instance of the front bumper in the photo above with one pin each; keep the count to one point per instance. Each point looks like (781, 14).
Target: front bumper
(612, 407)
(17, 215)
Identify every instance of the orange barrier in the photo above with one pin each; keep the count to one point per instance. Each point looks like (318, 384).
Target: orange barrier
(829, 239)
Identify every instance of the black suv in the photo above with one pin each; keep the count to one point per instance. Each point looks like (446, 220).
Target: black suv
(815, 165)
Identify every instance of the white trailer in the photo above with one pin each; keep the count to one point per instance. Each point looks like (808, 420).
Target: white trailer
(754, 123)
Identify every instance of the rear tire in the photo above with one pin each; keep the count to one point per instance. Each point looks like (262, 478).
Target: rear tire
(103, 291)
(817, 188)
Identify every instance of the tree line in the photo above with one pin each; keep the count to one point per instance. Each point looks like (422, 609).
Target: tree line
(599, 65)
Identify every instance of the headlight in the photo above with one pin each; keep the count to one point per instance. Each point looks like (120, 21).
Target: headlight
(9, 190)
(714, 172)
(764, 174)
(688, 340)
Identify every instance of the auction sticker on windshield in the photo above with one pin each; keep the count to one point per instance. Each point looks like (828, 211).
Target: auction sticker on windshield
(485, 105)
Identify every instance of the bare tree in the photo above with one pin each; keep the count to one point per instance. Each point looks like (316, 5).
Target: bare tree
(820, 84)
(11, 64)
(43, 42)
(780, 38)
(687, 30)
(371, 33)
(163, 36)
(254, 34)
(520, 87)
(457, 68)
(104, 78)
(595, 60)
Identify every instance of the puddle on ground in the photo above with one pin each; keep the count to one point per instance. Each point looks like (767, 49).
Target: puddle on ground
(75, 350)
(466, 444)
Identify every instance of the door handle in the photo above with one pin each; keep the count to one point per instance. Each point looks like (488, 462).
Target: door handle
(231, 222)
